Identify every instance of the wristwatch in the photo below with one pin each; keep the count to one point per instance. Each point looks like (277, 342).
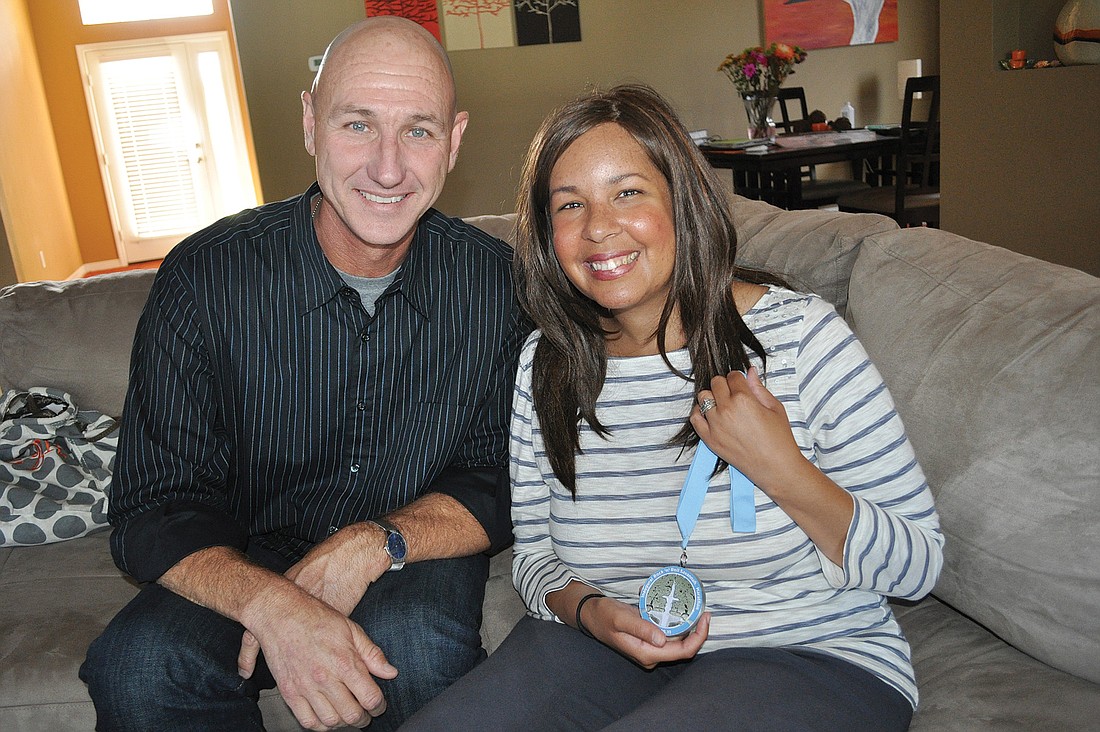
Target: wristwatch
(395, 543)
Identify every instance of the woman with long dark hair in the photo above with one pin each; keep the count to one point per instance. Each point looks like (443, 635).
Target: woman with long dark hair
(709, 479)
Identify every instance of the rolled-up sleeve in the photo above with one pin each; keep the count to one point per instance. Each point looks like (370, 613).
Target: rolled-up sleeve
(167, 497)
(478, 477)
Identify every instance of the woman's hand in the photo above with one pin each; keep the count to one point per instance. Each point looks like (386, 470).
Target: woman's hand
(748, 428)
(622, 628)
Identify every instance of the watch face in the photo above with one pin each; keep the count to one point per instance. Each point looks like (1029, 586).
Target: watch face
(395, 546)
(673, 600)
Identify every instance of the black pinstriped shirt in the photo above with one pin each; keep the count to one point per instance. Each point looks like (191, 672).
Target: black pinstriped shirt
(266, 405)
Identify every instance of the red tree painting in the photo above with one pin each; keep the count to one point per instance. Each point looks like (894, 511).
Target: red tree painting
(423, 12)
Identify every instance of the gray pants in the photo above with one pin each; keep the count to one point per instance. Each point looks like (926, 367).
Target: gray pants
(547, 676)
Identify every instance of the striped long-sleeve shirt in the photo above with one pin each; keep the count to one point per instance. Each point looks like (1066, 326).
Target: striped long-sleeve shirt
(768, 588)
(267, 405)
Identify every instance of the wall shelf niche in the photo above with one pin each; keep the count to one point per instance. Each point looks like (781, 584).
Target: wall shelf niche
(1026, 25)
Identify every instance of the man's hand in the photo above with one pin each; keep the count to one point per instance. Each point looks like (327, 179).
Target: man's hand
(337, 571)
(324, 664)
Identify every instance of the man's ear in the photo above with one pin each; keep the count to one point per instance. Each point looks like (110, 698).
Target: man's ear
(459, 127)
(309, 121)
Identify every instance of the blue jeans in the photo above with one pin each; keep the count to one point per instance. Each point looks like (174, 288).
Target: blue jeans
(165, 663)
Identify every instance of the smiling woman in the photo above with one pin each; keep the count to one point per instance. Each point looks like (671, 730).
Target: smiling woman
(627, 257)
(612, 215)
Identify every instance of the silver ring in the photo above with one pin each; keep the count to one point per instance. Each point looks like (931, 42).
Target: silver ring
(706, 405)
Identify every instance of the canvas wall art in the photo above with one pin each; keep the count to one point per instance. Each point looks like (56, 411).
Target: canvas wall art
(829, 23)
(423, 12)
(547, 21)
(477, 24)
(471, 24)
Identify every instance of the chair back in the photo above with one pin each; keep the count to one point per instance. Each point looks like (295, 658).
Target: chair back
(791, 94)
(919, 145)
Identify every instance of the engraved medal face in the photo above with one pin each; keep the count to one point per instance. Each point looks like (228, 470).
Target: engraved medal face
(673, 600)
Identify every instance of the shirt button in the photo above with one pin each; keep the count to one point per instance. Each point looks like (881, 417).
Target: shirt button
(332, 530)
(355, 467)
(364, 336)
(361, 406)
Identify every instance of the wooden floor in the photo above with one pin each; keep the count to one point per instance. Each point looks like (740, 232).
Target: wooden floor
(153, 264)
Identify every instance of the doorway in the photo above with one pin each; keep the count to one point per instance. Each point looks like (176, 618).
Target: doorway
(168, 128)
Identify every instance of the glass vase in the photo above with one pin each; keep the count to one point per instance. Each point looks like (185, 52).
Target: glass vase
(758, 108)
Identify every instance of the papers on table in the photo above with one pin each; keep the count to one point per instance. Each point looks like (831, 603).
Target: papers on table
(736, 144)
(824, 139)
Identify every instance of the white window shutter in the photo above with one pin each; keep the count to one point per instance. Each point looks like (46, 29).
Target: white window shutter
(157, 148)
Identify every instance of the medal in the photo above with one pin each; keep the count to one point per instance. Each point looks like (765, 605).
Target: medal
(673, 600)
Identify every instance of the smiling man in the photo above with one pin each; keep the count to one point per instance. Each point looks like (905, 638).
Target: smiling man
(312, 466)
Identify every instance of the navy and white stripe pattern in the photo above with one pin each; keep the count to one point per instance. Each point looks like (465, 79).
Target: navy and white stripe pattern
(266, 404)
(770, 588)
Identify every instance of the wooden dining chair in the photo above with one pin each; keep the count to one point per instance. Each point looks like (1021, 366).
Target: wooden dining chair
(815, 192)
(914, 196)
(791, 94)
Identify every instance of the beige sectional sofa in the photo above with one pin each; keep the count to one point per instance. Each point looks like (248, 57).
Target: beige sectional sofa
(993, 358)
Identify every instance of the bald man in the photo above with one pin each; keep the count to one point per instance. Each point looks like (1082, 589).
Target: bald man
(313, 460)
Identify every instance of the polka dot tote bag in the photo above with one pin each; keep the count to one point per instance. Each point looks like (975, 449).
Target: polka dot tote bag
(55, 466)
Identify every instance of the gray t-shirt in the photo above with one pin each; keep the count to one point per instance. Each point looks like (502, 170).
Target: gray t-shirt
(369, 288)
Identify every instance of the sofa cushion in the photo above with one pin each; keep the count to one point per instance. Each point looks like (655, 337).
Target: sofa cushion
(970, 680)
(813, 250)
(992, 358)
(75, 336)
(56, 599)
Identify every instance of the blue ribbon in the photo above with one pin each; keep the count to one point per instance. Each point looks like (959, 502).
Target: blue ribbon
(742, 504)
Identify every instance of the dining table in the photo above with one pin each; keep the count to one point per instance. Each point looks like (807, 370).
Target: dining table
(772, 171)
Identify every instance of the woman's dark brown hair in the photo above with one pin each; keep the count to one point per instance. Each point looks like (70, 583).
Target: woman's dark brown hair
(571, 357)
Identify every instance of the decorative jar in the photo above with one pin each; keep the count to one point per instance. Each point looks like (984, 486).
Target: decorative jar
(1077, 32)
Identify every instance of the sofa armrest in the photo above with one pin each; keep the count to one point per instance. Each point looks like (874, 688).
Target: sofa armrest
(991, 357)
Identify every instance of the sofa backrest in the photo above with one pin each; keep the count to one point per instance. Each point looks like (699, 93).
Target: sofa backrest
(813, 250)
(499, 226)
(993, 359)
(77, 335)
(74, 335)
